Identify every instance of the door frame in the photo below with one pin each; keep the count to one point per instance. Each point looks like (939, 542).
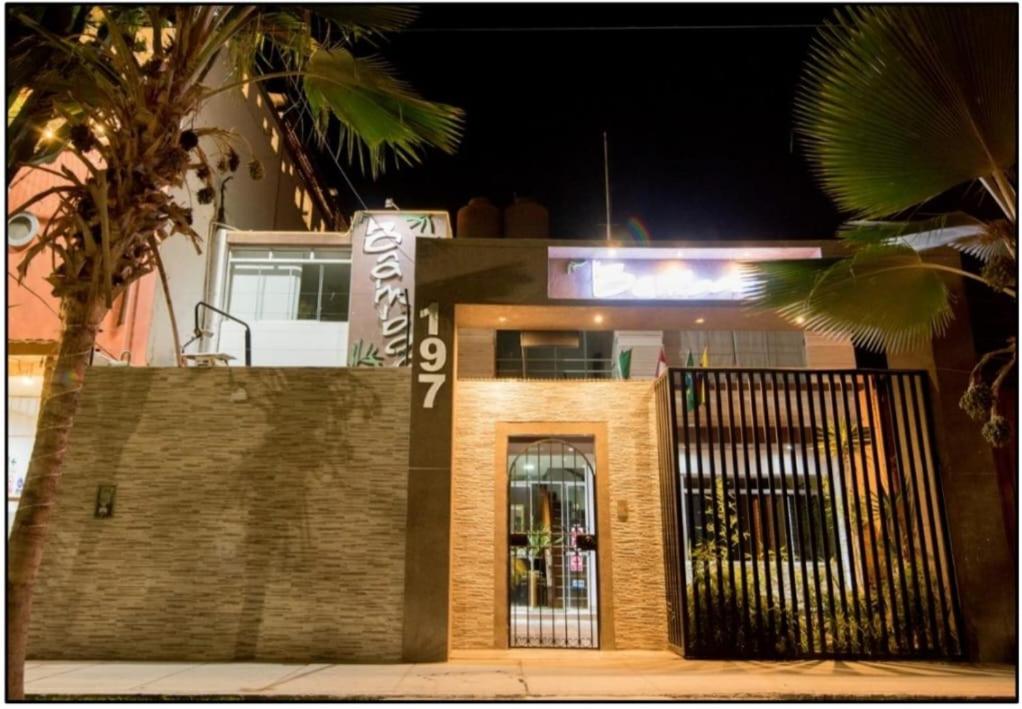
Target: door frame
(597, 430)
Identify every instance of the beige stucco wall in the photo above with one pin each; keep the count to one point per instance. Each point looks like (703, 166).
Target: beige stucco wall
(639, 613)
(259, 515)
(277, 202)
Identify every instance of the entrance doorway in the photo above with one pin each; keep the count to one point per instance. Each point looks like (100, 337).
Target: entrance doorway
(552, 569)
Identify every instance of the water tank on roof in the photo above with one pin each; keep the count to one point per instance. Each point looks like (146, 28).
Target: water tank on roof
(526, 219)
(479, 219)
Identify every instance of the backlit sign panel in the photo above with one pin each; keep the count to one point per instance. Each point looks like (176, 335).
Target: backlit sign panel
(646, 279)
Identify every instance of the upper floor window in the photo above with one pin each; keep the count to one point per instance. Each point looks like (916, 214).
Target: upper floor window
(289, 284)
(562, 355)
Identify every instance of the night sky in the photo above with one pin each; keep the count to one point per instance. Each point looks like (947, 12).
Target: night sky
(700, 120)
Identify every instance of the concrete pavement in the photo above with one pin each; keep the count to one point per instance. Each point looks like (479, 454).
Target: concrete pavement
(532, 674)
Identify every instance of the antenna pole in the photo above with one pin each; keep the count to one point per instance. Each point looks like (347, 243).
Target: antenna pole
(606, 181)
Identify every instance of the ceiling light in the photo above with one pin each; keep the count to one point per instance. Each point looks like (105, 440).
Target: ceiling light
(700, 321)
(612, 253)
(597, 318)
(800, 320)
(501, 319)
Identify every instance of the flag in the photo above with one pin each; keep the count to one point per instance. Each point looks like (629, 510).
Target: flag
(691, 396)
(704, 362)
(624, 363)
(661, 363)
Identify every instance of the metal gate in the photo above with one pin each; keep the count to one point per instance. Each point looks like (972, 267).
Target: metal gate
(552, 581)
(803, 515)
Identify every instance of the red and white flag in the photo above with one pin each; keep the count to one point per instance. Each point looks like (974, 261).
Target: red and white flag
(661, 362)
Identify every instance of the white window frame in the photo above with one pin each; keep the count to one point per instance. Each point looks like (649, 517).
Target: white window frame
(287, 256)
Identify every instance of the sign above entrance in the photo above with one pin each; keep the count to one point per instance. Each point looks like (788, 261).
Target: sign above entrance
(643, 273)
(598, 279)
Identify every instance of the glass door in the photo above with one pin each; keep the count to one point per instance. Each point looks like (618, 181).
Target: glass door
(552, 574)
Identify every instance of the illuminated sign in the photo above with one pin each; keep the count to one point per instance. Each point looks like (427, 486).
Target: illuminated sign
(670, 281)
(646, 279)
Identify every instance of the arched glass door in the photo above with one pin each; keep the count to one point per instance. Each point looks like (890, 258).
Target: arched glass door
(552, 581)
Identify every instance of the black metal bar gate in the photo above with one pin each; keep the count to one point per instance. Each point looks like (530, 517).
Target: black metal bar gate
(803, 515)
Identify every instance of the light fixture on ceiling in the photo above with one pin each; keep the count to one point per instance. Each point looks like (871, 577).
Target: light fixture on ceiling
(598, 318)
(700, 321)
(502, 319)
(800, 320)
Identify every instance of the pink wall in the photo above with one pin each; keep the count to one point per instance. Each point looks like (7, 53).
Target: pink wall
(32, 312)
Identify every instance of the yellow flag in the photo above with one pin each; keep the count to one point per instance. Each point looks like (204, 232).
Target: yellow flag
(704, 361)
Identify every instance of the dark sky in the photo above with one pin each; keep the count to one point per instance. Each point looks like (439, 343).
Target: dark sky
(700, 120)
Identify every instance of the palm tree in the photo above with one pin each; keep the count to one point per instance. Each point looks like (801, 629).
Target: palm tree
(898, 106)
(119, 87)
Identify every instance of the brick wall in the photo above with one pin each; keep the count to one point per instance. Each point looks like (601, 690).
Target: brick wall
(260, 514)
(637, 559)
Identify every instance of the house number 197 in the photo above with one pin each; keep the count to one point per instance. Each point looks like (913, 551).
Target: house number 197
(432, 356)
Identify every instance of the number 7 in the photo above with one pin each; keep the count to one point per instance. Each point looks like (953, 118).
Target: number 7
(435, 381)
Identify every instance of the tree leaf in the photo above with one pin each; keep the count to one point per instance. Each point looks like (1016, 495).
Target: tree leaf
(899, 104)
(884, 297)
(379, 113)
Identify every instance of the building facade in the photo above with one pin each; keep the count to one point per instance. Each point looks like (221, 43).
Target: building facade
(137, 331)
(536, 443)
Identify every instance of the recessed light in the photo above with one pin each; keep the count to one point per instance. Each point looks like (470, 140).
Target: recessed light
(800, 320)
(597, 318)
(501, 319)
(700, 321)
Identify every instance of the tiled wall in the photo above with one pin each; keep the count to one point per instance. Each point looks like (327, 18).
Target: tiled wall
(259, 515)
(637, 559)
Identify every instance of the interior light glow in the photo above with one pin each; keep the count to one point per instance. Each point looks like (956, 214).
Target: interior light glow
(700, 321)
(800, 320)
(598, 318)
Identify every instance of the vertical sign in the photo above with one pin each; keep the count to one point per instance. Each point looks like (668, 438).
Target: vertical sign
(380, 320)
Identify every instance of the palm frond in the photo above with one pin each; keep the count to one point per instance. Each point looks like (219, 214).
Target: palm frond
(899, 104)
(367, 21)
(379, 114)
(957, 230)
(884, 297)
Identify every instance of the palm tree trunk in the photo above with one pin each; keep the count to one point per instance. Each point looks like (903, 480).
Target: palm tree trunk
(60, 398)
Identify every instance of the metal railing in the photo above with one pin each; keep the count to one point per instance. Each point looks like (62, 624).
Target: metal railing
(803, 515)
(555, 367)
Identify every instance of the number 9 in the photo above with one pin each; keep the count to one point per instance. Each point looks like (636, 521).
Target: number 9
(433, 352)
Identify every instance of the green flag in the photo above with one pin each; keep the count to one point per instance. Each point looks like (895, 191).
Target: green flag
(691, 395)
(624, 363)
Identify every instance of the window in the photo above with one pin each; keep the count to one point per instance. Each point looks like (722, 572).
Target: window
(290, 284)
(590, 356)
(745, 348)
(760, 516)
(21, 229)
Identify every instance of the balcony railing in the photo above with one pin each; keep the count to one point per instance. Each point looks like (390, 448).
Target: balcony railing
(803, 515)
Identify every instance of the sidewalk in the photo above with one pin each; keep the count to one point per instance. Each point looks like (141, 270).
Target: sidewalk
(531, 674)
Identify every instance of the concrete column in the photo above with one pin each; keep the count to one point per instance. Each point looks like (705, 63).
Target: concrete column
(824, 352)
(428, 540)
(984, 564)
(477, 352)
